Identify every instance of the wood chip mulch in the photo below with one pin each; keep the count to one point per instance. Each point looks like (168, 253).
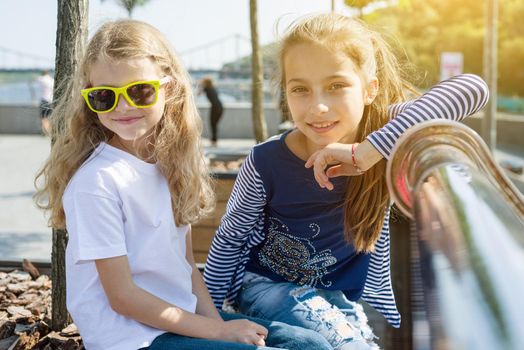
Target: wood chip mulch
(25, 313)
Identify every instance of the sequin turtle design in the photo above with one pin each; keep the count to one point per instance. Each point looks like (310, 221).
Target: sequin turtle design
(295, 258)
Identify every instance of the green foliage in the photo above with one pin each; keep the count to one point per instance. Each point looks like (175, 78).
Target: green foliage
(421, 30)
(511, 48)
(130, 5)
(358, 4)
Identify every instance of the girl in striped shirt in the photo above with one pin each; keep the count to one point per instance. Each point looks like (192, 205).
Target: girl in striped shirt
(291, 250)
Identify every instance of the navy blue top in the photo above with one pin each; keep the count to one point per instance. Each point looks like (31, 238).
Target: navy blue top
(303, 241)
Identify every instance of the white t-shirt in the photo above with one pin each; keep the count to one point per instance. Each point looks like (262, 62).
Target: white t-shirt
(118, 205)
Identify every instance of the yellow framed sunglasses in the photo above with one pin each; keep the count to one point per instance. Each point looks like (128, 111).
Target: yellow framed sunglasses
(139, 94)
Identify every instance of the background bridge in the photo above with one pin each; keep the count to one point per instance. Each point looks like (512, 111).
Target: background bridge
(207, 57)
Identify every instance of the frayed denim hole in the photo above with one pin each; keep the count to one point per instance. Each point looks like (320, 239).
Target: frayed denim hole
(325, 314)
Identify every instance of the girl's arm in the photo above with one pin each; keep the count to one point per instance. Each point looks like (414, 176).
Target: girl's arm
(240, 228)
(452, 99)
(205, 306)
(129, 300)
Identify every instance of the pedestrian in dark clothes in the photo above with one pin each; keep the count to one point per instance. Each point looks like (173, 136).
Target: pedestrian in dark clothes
(216, 110)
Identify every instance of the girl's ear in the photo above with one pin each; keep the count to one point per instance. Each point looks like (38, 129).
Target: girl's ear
(371, 91)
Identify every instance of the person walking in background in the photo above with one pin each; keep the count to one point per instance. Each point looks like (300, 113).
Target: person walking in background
(127, 177)
(45, 92)
(216, 111)
(292, 250)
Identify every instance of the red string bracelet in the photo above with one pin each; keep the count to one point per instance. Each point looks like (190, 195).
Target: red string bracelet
(353, 155)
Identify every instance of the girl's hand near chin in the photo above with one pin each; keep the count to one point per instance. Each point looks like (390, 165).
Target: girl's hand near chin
(339, 158)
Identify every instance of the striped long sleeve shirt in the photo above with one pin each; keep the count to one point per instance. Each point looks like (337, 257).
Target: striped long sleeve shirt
(281, 224)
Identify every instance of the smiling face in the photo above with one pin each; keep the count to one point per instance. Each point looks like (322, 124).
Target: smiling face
(130, 124)
(325, 94)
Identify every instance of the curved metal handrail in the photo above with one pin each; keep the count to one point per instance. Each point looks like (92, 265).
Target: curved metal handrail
(468, 243)
(417, 147)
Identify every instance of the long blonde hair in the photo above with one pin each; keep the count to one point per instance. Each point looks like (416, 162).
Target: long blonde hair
(367, 197)
(175, 139)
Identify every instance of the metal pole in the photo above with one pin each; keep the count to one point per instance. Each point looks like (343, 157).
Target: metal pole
(489, 122)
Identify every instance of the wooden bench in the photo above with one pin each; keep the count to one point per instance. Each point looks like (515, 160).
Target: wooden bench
(205, 229)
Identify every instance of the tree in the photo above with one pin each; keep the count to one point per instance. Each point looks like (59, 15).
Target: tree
(259, 123)
(71, 36)
(359, 5)
(449, 25)
(130, 5)
(511, 47)
(441, 25)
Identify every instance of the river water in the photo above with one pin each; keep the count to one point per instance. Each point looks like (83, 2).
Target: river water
(19, 93)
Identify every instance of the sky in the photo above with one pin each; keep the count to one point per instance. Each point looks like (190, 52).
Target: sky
(29, 26)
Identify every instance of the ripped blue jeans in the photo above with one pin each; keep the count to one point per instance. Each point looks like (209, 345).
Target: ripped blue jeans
(341, 322)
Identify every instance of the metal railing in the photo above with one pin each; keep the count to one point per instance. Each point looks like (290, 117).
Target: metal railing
(467, 258)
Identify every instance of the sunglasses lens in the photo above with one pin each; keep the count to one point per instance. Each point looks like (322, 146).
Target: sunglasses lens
(142, 94)
(101, 100)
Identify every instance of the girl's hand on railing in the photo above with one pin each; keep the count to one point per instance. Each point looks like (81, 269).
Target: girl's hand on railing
(342, 160)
